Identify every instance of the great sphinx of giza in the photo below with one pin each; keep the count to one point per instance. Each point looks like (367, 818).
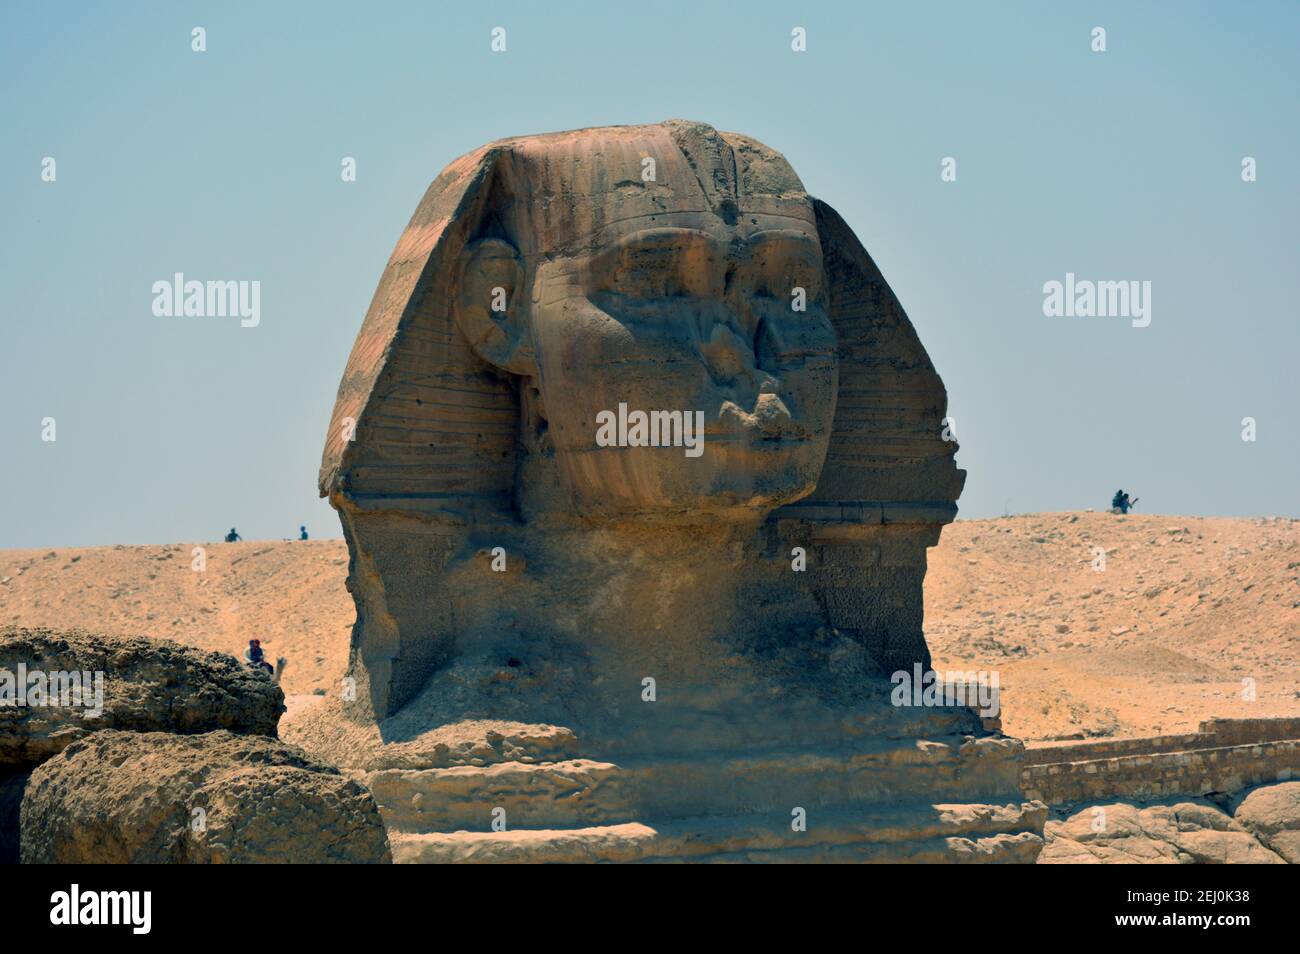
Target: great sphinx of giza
(553, 566)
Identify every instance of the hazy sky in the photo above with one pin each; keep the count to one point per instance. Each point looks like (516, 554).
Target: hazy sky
(225, 164)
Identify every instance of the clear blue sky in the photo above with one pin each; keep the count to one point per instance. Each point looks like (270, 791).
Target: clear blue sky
(225, 164)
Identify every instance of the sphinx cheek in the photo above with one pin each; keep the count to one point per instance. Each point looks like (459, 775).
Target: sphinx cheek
(579, 349)
(574, 336)
(799, 352)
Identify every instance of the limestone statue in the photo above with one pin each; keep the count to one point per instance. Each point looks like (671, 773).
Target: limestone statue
(638, 458)
(662, 275)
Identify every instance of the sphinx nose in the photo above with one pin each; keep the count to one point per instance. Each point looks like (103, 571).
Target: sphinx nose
(770, 412)
(770, 417)
(733, 366)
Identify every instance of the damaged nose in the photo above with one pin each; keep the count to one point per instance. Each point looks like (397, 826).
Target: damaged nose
(770, 417)
(733, 367)
(770, 413)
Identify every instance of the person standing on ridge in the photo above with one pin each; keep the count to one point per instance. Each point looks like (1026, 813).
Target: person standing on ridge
(232, 536)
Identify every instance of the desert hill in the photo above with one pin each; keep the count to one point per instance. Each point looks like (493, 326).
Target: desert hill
(1185, 609)
(291, 595)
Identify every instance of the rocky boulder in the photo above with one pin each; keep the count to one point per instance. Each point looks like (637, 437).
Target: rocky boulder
(1184, 832)
(130, 797)
(53, 684)
(1272, 814)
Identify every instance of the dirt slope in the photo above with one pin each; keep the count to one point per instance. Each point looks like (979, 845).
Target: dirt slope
(1185, 610)
(290, 595)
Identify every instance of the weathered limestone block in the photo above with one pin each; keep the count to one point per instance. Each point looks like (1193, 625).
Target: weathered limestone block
(1272, 814)
(147, 685)
(929, 834)
(1184, 832)
(151, 797)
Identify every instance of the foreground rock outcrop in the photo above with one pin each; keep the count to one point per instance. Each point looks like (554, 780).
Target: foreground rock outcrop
(1272, 814)
(126, 797)
(147, 685)
(1264, 828)
(58, 687)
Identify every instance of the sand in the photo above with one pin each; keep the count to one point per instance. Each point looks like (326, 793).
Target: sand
(1187, 612)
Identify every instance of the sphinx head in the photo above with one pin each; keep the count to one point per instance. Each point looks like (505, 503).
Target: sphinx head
(658, 292)
(556, 318)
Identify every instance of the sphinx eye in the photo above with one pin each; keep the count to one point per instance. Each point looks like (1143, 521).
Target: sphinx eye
(783, 267)
(782, 283)
(663, 270)
(643, 272)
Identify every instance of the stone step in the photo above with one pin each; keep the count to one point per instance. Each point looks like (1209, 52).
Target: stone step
(674, 725)
(576, 792)
(872, 772)
(583, 792)
(961, 833)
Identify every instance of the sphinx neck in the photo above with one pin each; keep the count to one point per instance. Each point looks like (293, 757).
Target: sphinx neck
(636, 599)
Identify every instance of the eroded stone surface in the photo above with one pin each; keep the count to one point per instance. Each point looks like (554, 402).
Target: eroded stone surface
(912, 833)
(132, 797)
(1182, 832)
(1272, 814)
(148, 685)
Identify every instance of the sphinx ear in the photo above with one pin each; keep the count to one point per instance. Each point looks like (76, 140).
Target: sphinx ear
(489, 309)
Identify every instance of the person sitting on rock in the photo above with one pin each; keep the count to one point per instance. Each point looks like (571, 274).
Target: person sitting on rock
(302, 533)
(1120, 503)
(232, 536)
(257, 657)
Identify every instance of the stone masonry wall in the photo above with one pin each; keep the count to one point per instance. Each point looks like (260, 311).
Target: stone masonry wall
(1225, 756)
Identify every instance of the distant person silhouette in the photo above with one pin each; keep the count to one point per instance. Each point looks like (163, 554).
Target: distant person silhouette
(302, 533)
(232, 536)
(257, 657)
(1121, 503)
